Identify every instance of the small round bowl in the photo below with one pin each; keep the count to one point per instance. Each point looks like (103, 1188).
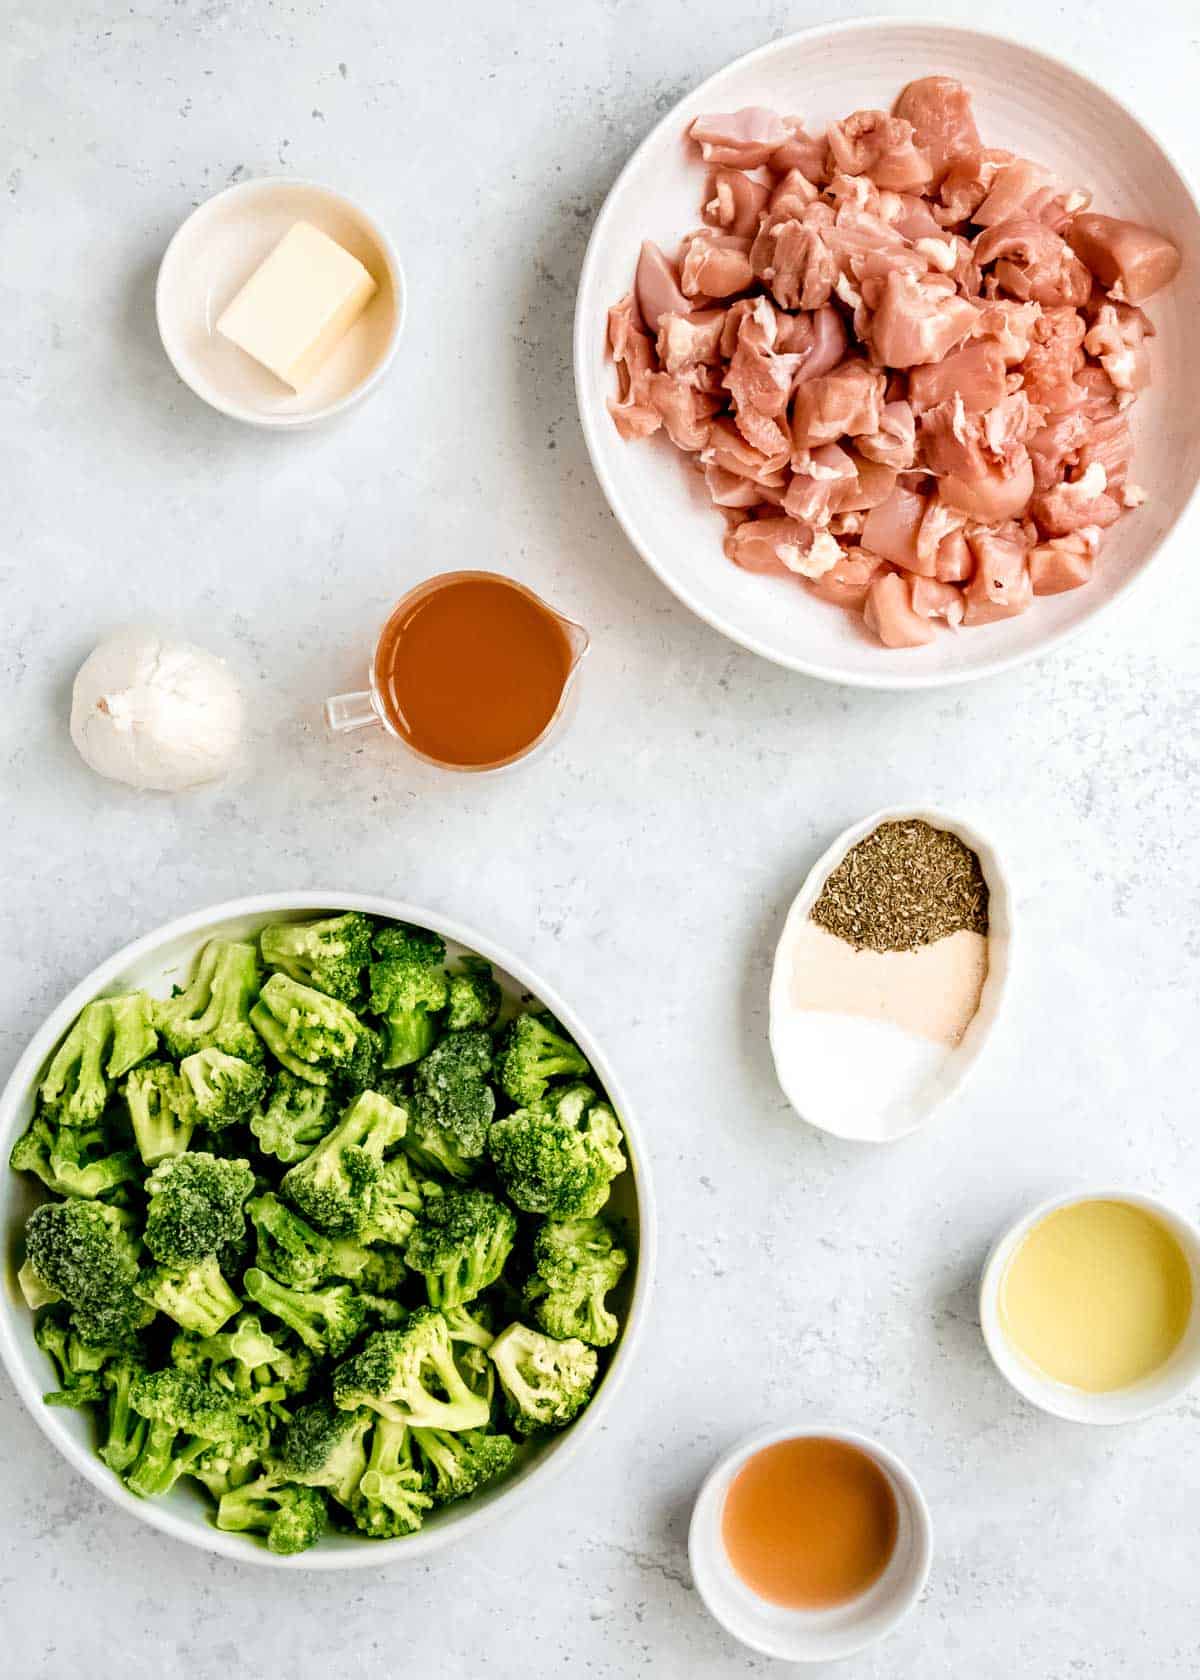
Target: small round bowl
(809, 1635)
(902, 1115)
(1122, 1405)
(1038, 106)
(215, 252)
(156, 962)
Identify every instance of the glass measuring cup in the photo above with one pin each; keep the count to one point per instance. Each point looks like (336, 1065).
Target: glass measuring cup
(472, 671)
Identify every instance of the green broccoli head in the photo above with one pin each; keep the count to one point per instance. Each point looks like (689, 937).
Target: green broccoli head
(86, 1254)
(162, 1110)
(546, 1383)
(185, 1417)
(323, 1447)
(534, 1050)
(197, 1297)
(363, 1070)
(329, 954)
(461, 1245)
(238, 1458)
(331, 1186)
(432, 1149)
(258, 1368)
(410, 1376)
(108, 1038)
(326, 1320)
(457, 1466)
(474, 999)
(391, 1499)
(195, 1206)
(394, 1200)
(124, 1429)
(408, 989)
(212, 1012)
(575, 1264)
(73, 1160)
(289, 1248)
(79, 1365)
(559, 1157)
(451, 1092)
(224, 1088)
(292, 1517)
(311, 1034)
(295, 1119)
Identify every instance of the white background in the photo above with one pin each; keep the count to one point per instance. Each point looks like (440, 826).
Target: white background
(645, 866)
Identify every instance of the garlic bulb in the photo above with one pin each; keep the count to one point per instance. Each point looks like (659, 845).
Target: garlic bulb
(155, 713)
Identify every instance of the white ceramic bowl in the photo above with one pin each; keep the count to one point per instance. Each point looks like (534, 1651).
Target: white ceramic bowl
(810, 1635)
(158, 960)
(1026, 100)
(216, 251)
(899, 1117)
(1123, 1405)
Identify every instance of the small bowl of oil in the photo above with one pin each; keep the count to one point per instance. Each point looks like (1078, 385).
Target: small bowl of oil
(810, 1543)
(1090, 1305)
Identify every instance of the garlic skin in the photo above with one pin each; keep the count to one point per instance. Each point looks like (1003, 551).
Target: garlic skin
(155, 713)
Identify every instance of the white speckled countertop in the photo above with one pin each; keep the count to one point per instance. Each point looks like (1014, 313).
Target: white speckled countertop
(645, 866)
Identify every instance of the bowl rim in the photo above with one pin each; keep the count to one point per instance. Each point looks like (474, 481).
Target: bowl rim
(365, 1553)
(704, 1541)
(1059, 1400)
(583, 348)
(211, 394)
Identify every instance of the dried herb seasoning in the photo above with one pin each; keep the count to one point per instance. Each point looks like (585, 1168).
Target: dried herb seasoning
(904, 886)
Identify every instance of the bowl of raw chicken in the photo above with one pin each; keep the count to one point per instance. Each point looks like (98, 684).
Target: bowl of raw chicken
(886, 351)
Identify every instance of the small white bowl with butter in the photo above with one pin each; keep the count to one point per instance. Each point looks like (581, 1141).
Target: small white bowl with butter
(869, 1044)
(280, 302)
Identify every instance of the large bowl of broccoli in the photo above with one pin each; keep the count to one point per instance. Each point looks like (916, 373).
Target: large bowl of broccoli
(328, 1230)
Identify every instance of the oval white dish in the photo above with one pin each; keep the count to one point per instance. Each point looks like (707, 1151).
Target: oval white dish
(156, 961)
(902, 1081)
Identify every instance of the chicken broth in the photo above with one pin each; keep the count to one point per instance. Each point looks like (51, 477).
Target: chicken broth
(472, 671)
(810, 1523)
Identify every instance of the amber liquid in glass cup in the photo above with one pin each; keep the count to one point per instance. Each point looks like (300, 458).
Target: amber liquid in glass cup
(472, 671)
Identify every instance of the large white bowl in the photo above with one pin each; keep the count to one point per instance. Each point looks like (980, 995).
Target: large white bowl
(1026, 100)
(156, 962)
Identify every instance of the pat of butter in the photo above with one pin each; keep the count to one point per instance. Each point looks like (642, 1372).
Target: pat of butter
(299, 302)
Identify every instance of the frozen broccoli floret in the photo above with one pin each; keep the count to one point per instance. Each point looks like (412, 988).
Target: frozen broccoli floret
(79, 1365)
(224, 1088)
(560, 1156)
(329, 954)
(451, 1093)
(323, 1448)
(310, 1033)
(458, 1465)
(109, 1037)
(162, 1110)
(197, 1297)
(295, 1120)
(410, 1376)
(289, 1248)
(195, 1207)
(461, 1245)
(73, 1160)
(124, 1429)
(186, 1417)
(431, 1149)
(394, 1200)
(575, 1264)
(391, 1498)
(331, 1186)
(408, 989)
(546, 1383)
(212, 1012)
(533, 1051)
(236, 1460)
(474, 995)
(246, 1361)
(292, 1517)
(362, 1071)
(86, 1253)
(326, 1320)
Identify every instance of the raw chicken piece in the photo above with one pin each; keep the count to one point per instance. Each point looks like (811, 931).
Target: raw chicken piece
(1117, 339)
(894, 441)
(791, 196)
(891, 530)
(931, 598)
(1122, 254)
(911, 216)
(847, 583)
(656, 287)
(727, 448)
(819, 340)
(955, 562)
(685, 412)
(975, 373)
(918, 320)
(633, 353)
(714, 265)
(1075, 503)
(1064, 562)
(1056, 446)
(967, 183)
(981, 460)
(888, 612)
(737, 202)
(847, 402)
(1001, 586)
(1032, 262)
(788, 545)
(742, 139)
(728, 490)
(874, 483)
(1011, 324)
(803, 151)
(1012, 188)
(819, 484)
(943, 123)
(689, 342)
(1053, 359)
(873, 144)
(794, 263)
(1110, 444)
(937, 523)
(1101, 399)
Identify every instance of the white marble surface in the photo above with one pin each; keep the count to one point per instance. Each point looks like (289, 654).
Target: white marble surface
(645, 866)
